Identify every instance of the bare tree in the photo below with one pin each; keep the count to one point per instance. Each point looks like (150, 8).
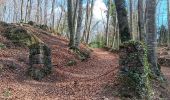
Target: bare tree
(168, 10)
(26, 13)
(79, 23)
(45, 11)
(107, 26)
(15, 11)
(29, 10)
(90, 21)
(38, 12)
(53, 15)
(22, 4)
(70, 21)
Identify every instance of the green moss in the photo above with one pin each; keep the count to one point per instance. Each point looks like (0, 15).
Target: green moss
(20, 37)
(2, 46)
(134, 72)
(40, 61)
(71, 63)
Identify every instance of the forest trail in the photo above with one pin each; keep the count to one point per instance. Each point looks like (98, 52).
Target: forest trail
(84, 81)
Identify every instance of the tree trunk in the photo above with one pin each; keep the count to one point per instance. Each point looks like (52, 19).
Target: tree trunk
(53, 15)
(131, 17)
(45, 11)
(38, 12)
(122, 20)
(151, 35)
(15, 11)
(22, 2)
(89, 25)
(107, 26)
(79, 22)
(141, 20)
(168, 7)
(86, 21)
(29, 10)
(70, 21)
(26, 13)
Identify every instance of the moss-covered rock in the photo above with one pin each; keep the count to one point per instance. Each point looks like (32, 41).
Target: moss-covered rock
(40, 61)
(20, 37)
(134, 71)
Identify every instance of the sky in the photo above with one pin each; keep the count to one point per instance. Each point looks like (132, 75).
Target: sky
(100, 7)
(162, 13)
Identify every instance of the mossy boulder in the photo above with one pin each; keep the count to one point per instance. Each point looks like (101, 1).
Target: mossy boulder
(20, 37)
(40, 61)
(134, 71)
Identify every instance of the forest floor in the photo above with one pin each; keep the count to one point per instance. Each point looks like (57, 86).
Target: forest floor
(84, 81)
(93, 79)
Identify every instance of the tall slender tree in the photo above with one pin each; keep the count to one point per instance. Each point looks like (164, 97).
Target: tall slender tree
(122, 20)
(70, 22)
(151, 35)
(29, 10)
(131, 16)
(90, 21)
(107, 26)
(168, 10)
(22, 4)
(45, 11)
(141, 25)
(53, 15)
(79, 23)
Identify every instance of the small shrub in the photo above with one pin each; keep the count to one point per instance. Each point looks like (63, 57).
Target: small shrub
(7, 93)
(2, 46)
(4, 24)
(31, 23)
(43, 27)
(71, 63)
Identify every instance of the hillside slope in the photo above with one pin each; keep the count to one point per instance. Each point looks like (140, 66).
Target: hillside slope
(83, 81)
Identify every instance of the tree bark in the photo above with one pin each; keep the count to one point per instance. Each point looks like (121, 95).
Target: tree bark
(168, 10)
(79, 23)
(70, 21)
(151, 35)
(90, 21)
(22, 2)
(107, 26)
(45, 11)
(122, 20)
(141, 21)
(53, 15)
